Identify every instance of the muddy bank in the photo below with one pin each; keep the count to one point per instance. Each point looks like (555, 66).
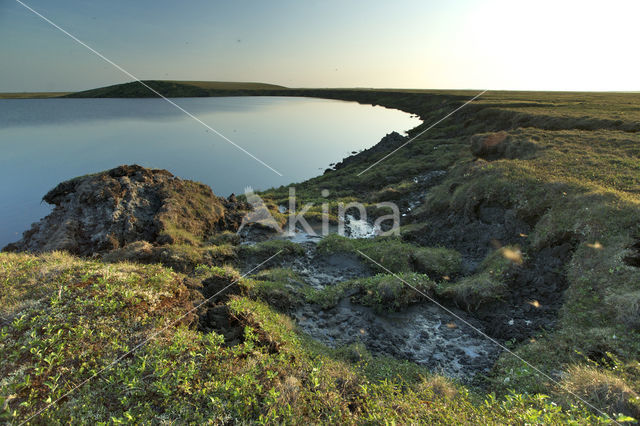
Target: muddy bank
(424, 334)
(536, 294)
(325, 270)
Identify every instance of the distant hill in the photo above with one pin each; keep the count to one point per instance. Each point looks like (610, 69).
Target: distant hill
(32, 95)
(230, 85)
(173, 89)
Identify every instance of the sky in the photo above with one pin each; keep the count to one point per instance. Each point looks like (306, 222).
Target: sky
(464, 44)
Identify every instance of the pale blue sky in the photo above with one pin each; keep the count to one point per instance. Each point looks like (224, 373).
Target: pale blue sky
(465, 44)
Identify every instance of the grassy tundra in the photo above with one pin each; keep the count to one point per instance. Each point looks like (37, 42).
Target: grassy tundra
(538, 207)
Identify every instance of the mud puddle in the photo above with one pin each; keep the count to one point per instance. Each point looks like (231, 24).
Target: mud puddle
(424, 334)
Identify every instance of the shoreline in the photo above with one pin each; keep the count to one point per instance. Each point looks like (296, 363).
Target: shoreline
(317, 171)
(33, 95)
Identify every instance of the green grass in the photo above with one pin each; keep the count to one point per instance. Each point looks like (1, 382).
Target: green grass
(230, 85)
(383, 292)
(281, 288)
(571, 173)
(386, 292)
(181, 257)
(487, 284)
(395, 254)
(181, 375)
(170, 88)
(471, 292)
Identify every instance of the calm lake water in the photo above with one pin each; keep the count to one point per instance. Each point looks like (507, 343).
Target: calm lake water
(46, 141)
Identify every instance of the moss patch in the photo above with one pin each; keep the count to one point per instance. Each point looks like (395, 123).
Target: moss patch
(395, 254)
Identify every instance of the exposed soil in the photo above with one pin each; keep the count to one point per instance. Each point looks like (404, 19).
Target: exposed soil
(318, 270)
(105, 211)
(633, 259)
(427, 334)
(218, 318)
(424, 334)
(215, 315)
(536, 287)
(324, 270)
(493, 146)
(420, 333)
(536, 293)
(475, 233)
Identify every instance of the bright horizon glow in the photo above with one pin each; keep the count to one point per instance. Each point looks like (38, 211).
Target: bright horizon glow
(495, 44)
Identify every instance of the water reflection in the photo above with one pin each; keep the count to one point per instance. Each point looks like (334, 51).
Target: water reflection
(45, 141)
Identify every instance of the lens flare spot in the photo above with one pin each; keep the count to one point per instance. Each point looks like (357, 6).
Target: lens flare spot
(514, 255)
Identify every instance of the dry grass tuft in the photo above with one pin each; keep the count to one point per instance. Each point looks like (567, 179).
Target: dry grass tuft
(602, 389)
(473, 291)
(438, 386)
(626, 307)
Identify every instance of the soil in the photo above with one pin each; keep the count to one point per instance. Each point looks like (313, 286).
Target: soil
(324, 270)
(424, 334)
(419, 333)
(106, 211)
(536, 287)
(536, 293)
(214, 315)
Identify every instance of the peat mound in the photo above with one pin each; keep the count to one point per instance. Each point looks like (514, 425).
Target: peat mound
(97, 213)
